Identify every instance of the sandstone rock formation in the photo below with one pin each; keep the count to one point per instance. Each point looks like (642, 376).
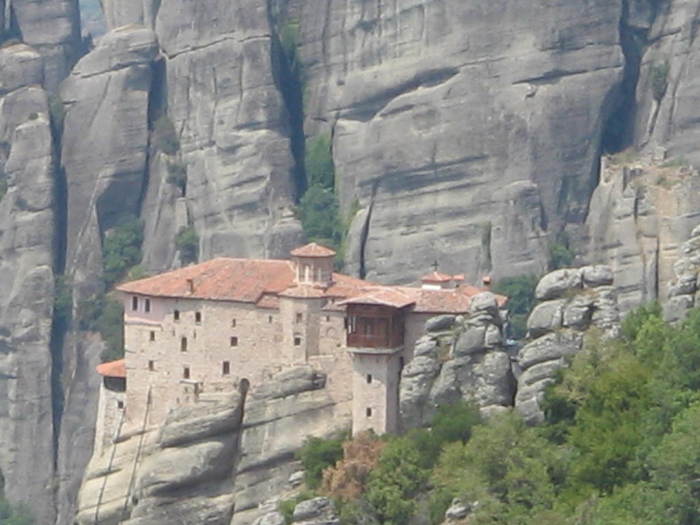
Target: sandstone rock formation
(27, 237)
(641, 212)
(465, 359)
(684, 292)
(572, 301)
(221, 454)
(467, 127)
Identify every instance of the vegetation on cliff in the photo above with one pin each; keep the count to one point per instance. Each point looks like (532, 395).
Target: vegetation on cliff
(619, 445)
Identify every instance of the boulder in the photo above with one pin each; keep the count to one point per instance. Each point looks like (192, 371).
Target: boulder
(597, 275)
(546, 317)
(471, 340)
(555, 284)
(316, 511)
(676, 308)
(271, 518)
(439, 323)
(549, 347)
(458, 510)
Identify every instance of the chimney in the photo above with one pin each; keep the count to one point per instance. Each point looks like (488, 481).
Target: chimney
(486, 281)
(190, 285)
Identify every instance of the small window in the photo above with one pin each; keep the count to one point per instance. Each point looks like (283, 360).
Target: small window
(297, 340)
(368, 411)
(198, 317)
(134, 303)
(147, 305)
(369, 379)
(225, 368)
(176, 315)
(183, 344)
(328, 318)
(300, 317)
(152, 336)
(269, 318)
(120, 404)
(234, 341)
(233, 323)
(151, 366)
(186, 372)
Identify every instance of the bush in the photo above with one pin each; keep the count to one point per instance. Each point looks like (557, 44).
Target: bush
(105, 315)
(187, 243)
(520, 291)
(121, 250)
(286, 507)
(317, 455)
(318, 162)
(164, 137)
(658, 78)
(560, 253)
(346, 480)
(62, 300)
(14, 514)
(318, 210)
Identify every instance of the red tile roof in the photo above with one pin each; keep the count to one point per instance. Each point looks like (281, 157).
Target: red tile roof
(113, 369)
(312, 250)
(436, 277)
(384, 296)
(244, 280)
(263, 282)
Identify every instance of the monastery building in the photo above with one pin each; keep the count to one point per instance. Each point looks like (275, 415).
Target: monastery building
(205, 330)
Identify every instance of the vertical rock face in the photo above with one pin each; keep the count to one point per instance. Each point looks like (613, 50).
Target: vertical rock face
(572, 301)
(684, 292)
(105, 144)
(52, 27)
(27, 224)
(447, 116)
(465, 361)
(668, 90)
(232, 125)
(640, 213)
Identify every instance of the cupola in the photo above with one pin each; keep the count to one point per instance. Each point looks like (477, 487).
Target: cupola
(313, 265)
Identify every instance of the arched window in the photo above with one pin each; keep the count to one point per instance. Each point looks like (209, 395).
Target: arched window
(183, 344)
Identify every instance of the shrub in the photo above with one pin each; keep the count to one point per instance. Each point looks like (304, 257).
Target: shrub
(187, 243)
(62, 299)
(318, 454)
(520, 291)
(560, 253)
(318, 162)
(286, 507)
(105, 315)
(318, 210)
(121, 250)
(346, 480)
(164, 137)
(14, 514)
(658, 78)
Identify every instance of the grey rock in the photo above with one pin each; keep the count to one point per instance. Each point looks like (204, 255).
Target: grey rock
(471, 340)
(557, 283)
(685, 285)
(425, 346)
(296, 479)
(549, 347)
(598, 275)
(484, 302)
(316, 511)
(578, 312)
(676, 308)
(695, 232)
(27, 237)
(439, 323)
(493, 337)
(292, 381)
(271, 518)
(197, 422)
(458, 510)
(546, 317)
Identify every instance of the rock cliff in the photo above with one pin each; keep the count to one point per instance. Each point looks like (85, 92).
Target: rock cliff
(27, 240)
(224, 461)
(684, 292)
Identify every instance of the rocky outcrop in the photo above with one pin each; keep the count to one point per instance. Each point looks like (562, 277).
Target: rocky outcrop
(52, 27)
(470, 127)
(278, 418)
(212, 457)
(684, 292)
(27, 226)
(462, 360)
(641, 212)
(316, 511)
(572, 301)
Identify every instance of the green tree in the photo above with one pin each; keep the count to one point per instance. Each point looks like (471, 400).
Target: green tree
(187, 243)
(520, 291)
(317, 455)
(121, 250)
(318, 162)
(318, 210)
